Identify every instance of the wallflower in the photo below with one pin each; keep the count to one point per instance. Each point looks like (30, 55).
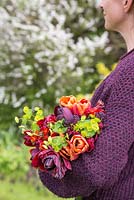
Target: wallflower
(28, 141)
(29, 138)
(40, 122)
(50, 119)
(99, 108)
(45, 132)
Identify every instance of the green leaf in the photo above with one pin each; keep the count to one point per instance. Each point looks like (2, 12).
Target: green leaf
(40, 112)
(34, 127)
(24, 121)
(92, 116)
(25, 117)
(25, 109)
(36, 108)
(97, 119)
(50, 139)
(88, 134)
(29, 113)
(83, 117)
(16, 120)
(57, 143)
(58, 127)
(94, 125)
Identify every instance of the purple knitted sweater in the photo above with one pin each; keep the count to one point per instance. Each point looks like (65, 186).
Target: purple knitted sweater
(107, 173)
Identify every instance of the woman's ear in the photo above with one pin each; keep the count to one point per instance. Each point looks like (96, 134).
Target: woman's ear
(127, 5)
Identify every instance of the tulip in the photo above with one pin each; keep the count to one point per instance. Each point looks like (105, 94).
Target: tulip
(67, 153)
(68, 101)
(78, 144)
(80, 107)
(36, 161)
(66, 114)
(50, 161)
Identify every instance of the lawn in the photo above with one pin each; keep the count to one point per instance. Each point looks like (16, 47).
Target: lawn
(24, 191)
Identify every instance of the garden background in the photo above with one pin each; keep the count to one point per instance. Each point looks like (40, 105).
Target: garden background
(48, 48)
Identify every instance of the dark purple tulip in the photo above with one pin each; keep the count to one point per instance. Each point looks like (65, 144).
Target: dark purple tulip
(34, 152)
(58, 111)
(49, 164)
(76, 119)
(54, 163)
(36, 161)
(65, 113)
(68, 116)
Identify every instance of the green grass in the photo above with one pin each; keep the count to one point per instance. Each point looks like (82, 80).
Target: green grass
(24, 191)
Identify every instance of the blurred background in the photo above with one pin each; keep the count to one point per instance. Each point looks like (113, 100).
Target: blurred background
(48, 48)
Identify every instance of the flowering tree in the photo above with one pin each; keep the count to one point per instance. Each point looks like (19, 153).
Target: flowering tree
(48, 48)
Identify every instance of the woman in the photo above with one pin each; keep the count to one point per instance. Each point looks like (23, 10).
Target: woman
(108, 172)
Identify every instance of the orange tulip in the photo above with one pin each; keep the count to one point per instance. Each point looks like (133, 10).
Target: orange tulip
(80, 107)
(68, 101)
(78, 144)
(67, 153)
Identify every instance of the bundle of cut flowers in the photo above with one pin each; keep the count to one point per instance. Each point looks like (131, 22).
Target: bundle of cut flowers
(60, 138)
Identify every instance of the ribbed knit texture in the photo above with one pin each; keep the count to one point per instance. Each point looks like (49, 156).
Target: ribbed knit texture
(106, 173)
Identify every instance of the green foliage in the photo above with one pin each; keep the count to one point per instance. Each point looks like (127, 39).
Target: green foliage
(57, 142)
(58, 127)
(29, 118)
(17, 120)
(25, 191)
(78, 198)
(43, 61)
(13, 160)
(88, 127)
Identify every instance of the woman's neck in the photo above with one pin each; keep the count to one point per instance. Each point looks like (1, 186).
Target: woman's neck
(128, 35)
(129, 39)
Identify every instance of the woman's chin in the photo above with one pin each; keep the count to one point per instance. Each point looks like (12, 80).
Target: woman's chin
(108, 27)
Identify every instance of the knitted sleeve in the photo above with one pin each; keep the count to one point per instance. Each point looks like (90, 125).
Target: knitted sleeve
(102, 167)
